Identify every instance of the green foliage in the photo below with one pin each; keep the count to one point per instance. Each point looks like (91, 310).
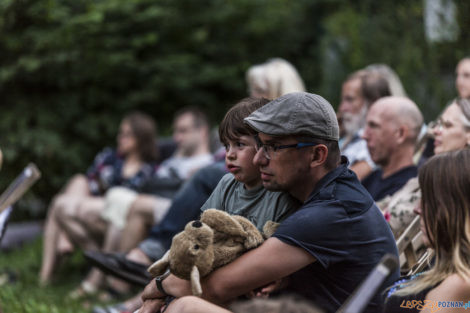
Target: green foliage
(69, 70)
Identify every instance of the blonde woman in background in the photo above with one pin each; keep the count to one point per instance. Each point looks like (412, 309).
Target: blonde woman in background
(273, 79)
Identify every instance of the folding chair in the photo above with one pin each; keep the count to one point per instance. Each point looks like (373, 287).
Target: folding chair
(14, 192)
(410, 246)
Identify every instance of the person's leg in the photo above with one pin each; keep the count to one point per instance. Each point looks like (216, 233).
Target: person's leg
(185, 207)
(50, 245)
(84, 226)
(96, 277)
(55, 241)
(146, 211)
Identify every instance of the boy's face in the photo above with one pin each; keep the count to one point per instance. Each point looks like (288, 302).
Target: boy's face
(239, 161)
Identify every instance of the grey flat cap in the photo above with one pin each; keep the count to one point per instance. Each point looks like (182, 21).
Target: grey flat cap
(297, 113)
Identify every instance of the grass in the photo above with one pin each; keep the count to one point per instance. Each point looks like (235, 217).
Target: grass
(25, 295)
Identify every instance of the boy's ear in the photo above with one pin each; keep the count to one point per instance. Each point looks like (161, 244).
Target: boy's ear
(319, 155)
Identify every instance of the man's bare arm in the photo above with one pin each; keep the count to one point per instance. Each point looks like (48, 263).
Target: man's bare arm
(273, 260)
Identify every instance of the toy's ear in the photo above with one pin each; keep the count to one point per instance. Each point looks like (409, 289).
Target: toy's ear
(222, 222)
(196, 282)
(270, 228)
(160, 266)
(253, 236)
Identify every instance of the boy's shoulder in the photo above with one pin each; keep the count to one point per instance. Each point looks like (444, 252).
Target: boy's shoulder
(228, 179)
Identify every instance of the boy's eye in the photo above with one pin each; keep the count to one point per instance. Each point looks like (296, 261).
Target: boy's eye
(240, 144)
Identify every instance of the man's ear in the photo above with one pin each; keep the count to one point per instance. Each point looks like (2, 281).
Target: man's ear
(319, 155)
(402, 134)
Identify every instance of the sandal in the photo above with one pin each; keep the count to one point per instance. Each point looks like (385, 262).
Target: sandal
(83, 291)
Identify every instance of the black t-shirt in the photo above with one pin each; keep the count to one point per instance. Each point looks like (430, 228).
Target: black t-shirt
(344, 230)
(379, 187)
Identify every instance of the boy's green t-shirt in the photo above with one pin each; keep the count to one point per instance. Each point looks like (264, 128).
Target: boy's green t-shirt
(258, 205)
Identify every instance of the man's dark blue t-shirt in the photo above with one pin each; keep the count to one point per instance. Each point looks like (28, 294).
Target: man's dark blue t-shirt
(379, 187)
(344, 230)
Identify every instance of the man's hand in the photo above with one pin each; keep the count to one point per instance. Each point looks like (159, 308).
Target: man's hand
(265, 291)
(152, 306)
(151, 292)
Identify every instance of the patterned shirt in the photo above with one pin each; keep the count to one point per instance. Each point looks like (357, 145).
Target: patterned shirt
(106, 172)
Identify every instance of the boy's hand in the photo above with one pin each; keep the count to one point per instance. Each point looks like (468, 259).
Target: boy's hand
(152, 306)
(265, 291)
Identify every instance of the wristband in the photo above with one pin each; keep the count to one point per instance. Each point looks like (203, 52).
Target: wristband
(159, 280)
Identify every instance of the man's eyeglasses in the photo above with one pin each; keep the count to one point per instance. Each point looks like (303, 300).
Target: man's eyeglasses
(269, 148)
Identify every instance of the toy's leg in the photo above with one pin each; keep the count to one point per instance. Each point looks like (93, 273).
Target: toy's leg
(196, 282)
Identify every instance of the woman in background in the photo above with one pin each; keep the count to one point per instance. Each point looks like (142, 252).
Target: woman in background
(445, 223)
(131, 165)
(272, 79)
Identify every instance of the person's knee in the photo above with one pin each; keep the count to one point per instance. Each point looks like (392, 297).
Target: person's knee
(87, 216)
(142, 206)
(61, 210)
(78, 178)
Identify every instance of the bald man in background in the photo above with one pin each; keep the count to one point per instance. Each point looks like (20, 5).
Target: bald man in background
(392, 128)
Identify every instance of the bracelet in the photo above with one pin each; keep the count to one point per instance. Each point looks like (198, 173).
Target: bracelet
(159, 280)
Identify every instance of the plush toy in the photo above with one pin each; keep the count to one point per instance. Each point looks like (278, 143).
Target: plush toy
(206, 244)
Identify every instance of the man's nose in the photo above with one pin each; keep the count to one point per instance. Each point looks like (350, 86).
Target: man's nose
(365, 134)
(259, 158)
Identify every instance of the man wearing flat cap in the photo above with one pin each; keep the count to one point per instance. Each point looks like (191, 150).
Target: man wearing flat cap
(332, 242)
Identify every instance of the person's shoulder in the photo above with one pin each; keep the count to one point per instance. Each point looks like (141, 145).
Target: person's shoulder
(228, 181)
(106, 154)
(454, 287)
(375, 174)
(455, 281)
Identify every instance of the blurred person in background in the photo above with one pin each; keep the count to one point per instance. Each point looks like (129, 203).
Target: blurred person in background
(129, 214)
(273, 79)
(394, 82)
(393, 126)
(450, 132)
(358, 92)
(131, 164)
(462, 80)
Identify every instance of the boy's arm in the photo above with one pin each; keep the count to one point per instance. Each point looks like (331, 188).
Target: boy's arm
(273, 260)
